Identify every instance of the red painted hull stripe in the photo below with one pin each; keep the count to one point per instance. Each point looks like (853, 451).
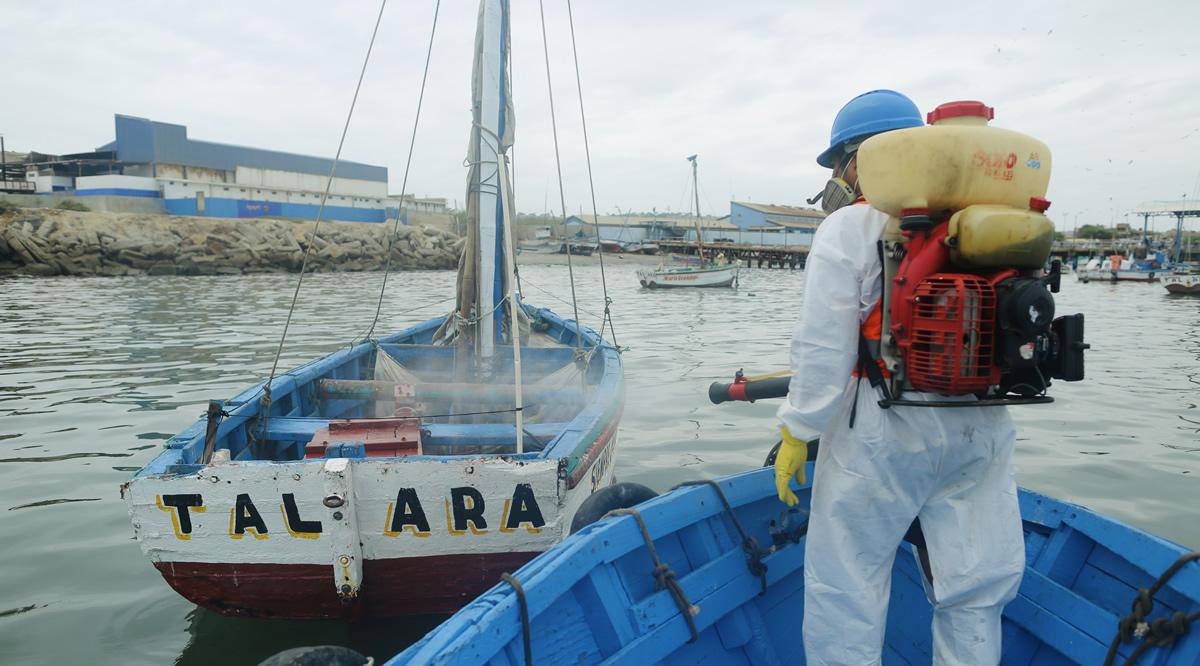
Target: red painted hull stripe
(438, 584)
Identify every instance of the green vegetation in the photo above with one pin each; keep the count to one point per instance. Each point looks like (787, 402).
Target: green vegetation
(71, 204)
(1095, 231)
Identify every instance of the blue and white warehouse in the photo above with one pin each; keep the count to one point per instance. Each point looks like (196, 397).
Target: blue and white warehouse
(192, 177)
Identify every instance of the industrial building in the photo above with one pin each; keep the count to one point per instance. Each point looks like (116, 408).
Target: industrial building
(655, 227)
(747, 223)
(770, 224)
(159, 161)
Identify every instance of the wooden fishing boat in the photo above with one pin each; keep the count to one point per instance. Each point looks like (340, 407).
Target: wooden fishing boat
(736, 555)
(708, 275)
(403, 474)
(698, 271)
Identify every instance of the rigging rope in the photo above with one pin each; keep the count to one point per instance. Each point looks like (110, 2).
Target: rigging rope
(1161, 632)
(387, 266)
(523, 605)
(664, 576)
(266, 397)
(558, 166)
(591, 184)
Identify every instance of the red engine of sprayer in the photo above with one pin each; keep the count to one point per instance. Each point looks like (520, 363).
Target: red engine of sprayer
(944, 323)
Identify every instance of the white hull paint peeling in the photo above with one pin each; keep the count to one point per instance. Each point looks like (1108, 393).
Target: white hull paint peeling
(720, 276)
(318, 511)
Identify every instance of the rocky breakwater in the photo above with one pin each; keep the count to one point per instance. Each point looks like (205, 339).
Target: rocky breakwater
(62, 242)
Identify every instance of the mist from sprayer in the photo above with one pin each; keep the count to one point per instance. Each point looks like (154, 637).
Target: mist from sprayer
(553, 393)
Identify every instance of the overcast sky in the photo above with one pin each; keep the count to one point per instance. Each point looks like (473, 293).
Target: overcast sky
(1112, 87)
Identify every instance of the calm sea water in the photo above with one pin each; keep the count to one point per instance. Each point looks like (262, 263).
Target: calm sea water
(96, 373)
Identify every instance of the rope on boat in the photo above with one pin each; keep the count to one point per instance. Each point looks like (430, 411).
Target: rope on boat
(663, 575)
(1160, 632)
(754, 553)
(562, 197)
(516, 585)
(387, 266)
(591, 185)
(266, 398)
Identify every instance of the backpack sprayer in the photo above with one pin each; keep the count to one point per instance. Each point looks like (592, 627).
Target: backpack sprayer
(967, 307)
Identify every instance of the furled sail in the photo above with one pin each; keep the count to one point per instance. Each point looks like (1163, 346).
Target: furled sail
(481, 311)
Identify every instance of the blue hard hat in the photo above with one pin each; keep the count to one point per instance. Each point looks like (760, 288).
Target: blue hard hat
(869, 113)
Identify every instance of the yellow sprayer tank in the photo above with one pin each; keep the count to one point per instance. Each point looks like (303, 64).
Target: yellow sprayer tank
(992, 182)
(955, 161)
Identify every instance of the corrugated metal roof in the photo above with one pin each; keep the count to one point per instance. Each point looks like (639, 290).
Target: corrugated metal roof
(144, 140)
(792, 223)
(790, 211)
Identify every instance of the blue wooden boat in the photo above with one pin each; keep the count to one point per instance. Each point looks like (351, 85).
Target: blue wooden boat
(736, 554)
(404, 474)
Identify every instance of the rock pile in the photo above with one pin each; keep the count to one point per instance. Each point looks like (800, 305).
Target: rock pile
(36, 241)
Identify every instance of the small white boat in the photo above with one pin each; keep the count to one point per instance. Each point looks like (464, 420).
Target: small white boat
(539, 247)
(1118, 269)
(688, 276)
(1132, 275)
(698, 271)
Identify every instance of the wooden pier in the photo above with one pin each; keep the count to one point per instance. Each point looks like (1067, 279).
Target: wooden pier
(755, 256)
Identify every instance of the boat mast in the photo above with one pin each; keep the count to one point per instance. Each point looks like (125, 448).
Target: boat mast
(696, 191)
(491, 134)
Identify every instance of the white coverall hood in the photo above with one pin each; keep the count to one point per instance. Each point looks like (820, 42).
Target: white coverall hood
(952, 468)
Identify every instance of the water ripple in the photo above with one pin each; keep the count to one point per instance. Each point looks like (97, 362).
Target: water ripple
(106, 368)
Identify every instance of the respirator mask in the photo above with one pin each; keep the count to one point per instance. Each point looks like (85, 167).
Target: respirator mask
(838, 193)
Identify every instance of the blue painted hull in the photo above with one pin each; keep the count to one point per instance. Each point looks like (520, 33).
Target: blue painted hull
(592, 599)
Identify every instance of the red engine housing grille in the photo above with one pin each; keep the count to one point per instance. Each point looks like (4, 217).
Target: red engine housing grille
(953, 335)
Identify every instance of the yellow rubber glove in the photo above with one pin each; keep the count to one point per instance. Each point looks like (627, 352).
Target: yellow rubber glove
(789, 462)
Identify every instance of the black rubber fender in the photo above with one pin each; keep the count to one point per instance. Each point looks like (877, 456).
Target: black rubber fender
(813, 447)
(316, 655)
(617, 496)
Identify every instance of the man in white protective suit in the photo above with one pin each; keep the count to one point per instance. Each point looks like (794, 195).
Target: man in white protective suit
(879, 469)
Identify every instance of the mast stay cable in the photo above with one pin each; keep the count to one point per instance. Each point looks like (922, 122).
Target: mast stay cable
(591, 184)
(266, 398)
(387, 266)
(558, 166)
